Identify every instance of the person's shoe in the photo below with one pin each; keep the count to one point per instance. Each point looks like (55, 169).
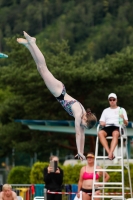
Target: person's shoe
(29, 38)
(2, 55)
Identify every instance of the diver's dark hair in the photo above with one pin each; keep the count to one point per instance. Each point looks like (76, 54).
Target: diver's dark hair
(91, 118)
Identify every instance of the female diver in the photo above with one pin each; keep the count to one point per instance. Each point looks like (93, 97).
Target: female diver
(83, 119)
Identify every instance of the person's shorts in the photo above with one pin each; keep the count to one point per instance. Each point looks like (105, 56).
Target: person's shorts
(109, 130)
(89, 191)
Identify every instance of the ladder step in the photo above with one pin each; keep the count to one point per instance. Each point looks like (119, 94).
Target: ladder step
(109, 170)
(107, 187)
(106, 157)
(123, 136)
(113, 196)
(114, 165)
(100, 188)
(106, 183)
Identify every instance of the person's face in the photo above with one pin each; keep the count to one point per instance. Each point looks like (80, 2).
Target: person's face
(90, 159)
(83, 121)
(55, 159)
(112, 101)
(7, 192)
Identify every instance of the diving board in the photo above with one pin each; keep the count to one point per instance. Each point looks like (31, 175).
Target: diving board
(63, 126)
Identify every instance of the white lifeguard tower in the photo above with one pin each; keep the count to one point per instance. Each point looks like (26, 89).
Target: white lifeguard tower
(117, 165)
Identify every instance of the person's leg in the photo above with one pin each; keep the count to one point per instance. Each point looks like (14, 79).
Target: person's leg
(85, 196)
(58, 197)
(102, 137)
(50, 197)
(51, 82)
(97, 193)
(114, 142)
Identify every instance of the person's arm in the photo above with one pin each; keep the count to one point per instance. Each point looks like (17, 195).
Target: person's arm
(102, 123)
(102, 120)
(124, 117)
(77, 112)
(14, 195)
(59, 176)
(106, 177)
(47, 175)
(1, 194)
(125, 122)
(104, 174)
(79, 136)
(80, 181)
(78, 128)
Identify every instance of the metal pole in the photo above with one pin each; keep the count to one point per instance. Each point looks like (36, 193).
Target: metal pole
(45, 194)
(13, 157)
(128, 169)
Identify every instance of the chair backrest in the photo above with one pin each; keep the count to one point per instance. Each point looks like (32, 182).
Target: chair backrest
(39, 198)
(19, 198)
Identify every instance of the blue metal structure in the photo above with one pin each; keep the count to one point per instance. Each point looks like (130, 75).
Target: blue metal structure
(67, 126)
(2, 55)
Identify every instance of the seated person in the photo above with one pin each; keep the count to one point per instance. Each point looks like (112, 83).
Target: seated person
(111, 118)
(7, 193)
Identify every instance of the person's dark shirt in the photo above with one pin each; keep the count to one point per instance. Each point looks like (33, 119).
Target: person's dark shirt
(53, 181)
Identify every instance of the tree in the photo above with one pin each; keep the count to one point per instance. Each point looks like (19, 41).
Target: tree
(24, 95)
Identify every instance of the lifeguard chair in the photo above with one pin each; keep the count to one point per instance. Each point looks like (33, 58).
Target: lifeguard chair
(118, 162)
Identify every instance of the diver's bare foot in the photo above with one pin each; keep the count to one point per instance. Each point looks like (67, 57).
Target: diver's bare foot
(29, 38)
(22, 41)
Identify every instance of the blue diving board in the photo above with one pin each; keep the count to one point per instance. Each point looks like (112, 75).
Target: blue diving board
(64, 126)
(67, 126)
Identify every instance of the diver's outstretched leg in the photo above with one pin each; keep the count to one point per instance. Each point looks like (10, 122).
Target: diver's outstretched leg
(54, 85)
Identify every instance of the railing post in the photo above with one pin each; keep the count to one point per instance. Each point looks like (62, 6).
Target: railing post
(45, 194)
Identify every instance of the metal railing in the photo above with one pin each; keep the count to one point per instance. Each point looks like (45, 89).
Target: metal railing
(24, 190)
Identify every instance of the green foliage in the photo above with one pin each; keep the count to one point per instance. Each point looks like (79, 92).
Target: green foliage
(71, 173)
(85, 24)
(24, 95)
(116, 177)
(30, 96)
(73, 35)
(19, 175)
(25, 175)
(36, 175)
